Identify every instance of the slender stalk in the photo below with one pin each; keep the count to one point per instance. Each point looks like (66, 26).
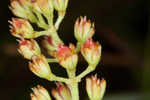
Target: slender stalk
(73, 85)
(51, 60)
(89, 69)
(78, 46)
(61, 16)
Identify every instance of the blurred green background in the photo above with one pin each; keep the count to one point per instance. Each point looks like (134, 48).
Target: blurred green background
(122, 28)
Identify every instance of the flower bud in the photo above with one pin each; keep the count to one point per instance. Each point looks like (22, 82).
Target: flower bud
(95, 88)
(60, 5)
(91, 51)
(50, 45)
(21, 28)
(21, 8)
(62, 92)
(40, 67)
(40, 93)
(67, 56)
(83, 29)
(43, 6)
(29, 48)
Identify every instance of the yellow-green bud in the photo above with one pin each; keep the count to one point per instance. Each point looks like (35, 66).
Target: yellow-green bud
(43, 6)
(60, 5)
(29, 48)
(95, 88)
(22, 8)
(83, 29)
(62, 92)
(40, 93)
(40, 67)
(91, 51)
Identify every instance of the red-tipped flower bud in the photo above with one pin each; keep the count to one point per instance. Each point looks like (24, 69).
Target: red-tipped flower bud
(21, 28)
(62, 92)
(60, 5)
(95, 88)
(40, 67)
(29, 48)
(83, 29)
(91, 51)
(67, 56)
(40, 93)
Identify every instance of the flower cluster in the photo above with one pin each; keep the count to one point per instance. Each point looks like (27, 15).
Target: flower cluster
(40, 13)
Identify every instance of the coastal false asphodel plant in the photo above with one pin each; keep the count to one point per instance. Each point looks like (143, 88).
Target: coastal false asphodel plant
(41, 14)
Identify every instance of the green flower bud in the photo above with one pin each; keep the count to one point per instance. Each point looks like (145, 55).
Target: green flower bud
(91, 51)
(22, 8)
(83, 29)
(95, 88)
(43, 6)
(60, 5)
(40, 67)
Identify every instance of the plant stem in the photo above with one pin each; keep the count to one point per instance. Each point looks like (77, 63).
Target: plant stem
(61, 16)
(73, 86)
(89, 69)
(51, 60)
(74, 91)
(78, 46)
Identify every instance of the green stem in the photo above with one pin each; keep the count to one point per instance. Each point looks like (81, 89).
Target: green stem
(61, 16)
(78, 46)
(74, 85)
(53, 33)
(59, 79)
(41, 23)
(89, 69)
(74, 91)
(51, 60)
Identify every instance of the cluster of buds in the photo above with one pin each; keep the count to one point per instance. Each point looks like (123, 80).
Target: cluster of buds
(41, 14)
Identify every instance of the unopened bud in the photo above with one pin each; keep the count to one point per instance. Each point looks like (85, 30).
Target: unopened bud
(21, 8)
(40, 93)
(21, 28)
(60, 5)
(29, 48)
(62, 92)
(91, 52)
(43, 6)
(67, 56)
(95, 88)
(40, 67)
(83, 29)
(50, 45)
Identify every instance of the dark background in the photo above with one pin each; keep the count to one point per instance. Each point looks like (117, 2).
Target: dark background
(122, 28)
